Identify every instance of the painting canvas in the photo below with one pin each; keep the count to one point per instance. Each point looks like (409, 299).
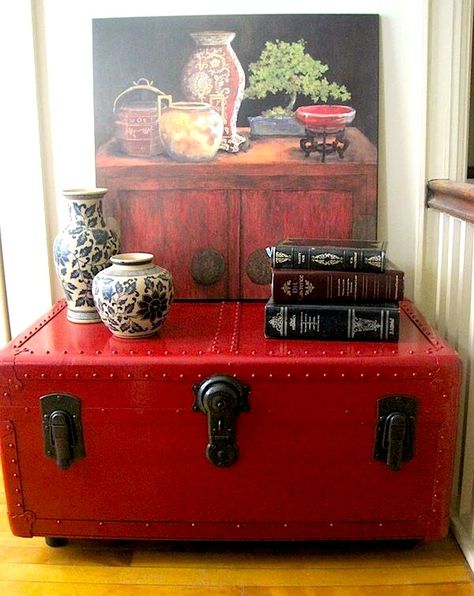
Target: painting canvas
(219, 135)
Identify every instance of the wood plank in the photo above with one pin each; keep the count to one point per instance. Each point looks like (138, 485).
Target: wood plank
(52, 589)
(41, 554)
(79, 589)
(458, 589)
(311, 558)
(182, 576)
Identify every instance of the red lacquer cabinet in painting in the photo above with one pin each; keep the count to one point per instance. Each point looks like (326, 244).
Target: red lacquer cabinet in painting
(209, 223)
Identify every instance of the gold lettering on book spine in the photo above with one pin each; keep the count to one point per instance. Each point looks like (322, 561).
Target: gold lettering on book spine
(281, 257)
(303, 288)
(360, 325)
(308, 287)
(277, 322)
(375, 261)
(286, 287)
(327, 259)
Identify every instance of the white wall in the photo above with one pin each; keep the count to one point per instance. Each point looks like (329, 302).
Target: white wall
(22, 209)
(64, 45)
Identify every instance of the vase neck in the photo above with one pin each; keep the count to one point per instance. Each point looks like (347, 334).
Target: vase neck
(213, 38)
(86, 213)
(133, 260)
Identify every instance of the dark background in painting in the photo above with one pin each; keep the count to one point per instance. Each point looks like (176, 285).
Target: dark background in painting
(157, 48)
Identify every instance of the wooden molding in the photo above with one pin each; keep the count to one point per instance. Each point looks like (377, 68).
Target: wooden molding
(453, 198)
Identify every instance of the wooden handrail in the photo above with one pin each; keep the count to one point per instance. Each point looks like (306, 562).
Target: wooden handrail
(453, 198)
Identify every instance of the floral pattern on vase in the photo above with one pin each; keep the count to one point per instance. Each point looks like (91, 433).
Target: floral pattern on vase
(82, 250)
(213, 73)
(133, 296)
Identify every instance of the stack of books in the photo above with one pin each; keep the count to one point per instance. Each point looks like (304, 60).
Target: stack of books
(333, 289)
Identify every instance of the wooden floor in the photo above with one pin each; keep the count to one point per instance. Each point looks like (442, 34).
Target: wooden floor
(93, 568)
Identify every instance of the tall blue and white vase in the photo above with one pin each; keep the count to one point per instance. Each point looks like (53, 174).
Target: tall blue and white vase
(82, 249)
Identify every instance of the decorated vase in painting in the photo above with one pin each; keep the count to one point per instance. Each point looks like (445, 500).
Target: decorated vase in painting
(213, 73)
(82, 249)
(133, 296)
(191, 131)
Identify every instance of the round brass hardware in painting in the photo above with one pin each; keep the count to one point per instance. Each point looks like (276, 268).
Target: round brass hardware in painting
(207, 266)
(258, 267)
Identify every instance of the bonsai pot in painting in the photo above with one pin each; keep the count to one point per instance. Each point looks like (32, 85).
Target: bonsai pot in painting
(275, 126)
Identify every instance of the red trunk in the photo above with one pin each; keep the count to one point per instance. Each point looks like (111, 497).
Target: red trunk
(306, 467)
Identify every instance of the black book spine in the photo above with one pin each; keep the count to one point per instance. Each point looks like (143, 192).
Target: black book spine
(328, 257)
(355, 322)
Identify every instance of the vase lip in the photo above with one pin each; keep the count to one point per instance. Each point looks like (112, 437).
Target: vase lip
(189, 105)
(213, 37)
(132, 258)
(72, 193)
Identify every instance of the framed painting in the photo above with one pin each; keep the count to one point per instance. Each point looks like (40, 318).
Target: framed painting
(219, 135)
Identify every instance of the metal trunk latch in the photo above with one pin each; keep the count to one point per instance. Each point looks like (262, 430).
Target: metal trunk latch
(222, 398)
(395, 434)
(62, 428)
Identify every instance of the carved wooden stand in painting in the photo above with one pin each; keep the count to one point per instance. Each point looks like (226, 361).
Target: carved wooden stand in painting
(222, 214)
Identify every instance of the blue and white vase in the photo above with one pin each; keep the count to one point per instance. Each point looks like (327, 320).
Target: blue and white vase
(133, 295)
(83, 249)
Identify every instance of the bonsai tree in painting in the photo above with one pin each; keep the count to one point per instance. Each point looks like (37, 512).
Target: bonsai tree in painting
(286, 67)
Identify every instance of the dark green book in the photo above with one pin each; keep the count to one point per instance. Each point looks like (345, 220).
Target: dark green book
(353, 322)
(342, 255)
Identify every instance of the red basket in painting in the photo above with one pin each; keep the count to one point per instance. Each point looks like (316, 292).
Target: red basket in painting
(137, 120)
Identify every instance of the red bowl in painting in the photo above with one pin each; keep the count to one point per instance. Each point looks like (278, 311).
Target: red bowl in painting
(329, 118)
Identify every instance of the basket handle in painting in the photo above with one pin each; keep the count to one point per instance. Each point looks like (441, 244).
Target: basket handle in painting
(161, 99)
(141, 85)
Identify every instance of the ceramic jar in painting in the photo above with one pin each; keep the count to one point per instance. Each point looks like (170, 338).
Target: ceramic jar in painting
(133, 295)
(191, 131)
(83, 249)
(137, 119)
(213, 71)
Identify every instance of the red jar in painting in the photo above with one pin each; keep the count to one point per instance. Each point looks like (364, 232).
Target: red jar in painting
(214, 75)
(137, 119)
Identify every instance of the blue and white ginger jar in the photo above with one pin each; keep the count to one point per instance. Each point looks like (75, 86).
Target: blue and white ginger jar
(133, 295)
(82, 250)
